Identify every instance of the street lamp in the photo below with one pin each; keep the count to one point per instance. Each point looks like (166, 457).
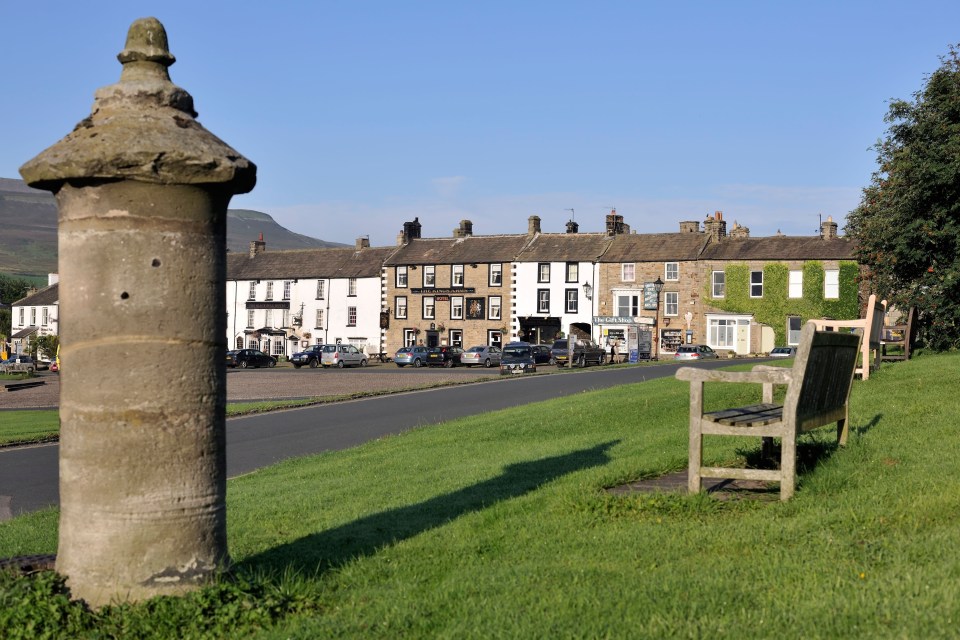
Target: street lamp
(587, 290)
(657, 287)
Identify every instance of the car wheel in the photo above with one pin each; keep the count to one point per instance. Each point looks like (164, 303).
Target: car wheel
(448, 364)
(487, 363)
(363, 363)
(272, 364)
(417, 363)
(314, 363)
(339, 364)
(552, 360)
(603, 359)
(583, 362)
(297, 366)
(243, 364)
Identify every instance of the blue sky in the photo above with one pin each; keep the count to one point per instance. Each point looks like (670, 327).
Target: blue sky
(361, 115)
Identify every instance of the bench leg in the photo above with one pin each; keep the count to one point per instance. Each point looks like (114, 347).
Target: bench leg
(695, 459)
(843, 430)
(788, 465)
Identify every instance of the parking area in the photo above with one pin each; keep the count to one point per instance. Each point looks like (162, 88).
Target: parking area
(283, 382)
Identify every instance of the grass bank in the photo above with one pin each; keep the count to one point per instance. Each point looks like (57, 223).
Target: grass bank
(499, 526)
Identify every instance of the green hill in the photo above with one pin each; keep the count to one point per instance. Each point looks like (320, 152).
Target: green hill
(28, 231)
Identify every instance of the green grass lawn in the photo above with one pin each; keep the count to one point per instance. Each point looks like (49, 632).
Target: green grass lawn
(498, 526)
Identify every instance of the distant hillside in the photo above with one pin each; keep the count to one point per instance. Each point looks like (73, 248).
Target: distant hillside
(28, 230)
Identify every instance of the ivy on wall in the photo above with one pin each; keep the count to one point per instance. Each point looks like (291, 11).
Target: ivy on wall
(775, 306)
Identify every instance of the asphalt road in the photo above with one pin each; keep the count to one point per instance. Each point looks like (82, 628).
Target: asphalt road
(29, 476)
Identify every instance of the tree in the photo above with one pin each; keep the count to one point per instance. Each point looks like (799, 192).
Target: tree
(908, 222)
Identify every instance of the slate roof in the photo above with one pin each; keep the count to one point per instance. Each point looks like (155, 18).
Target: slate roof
(46, 296)
(655, 247)
(781, 248)
(469, 250)
(565, 247)
(308, 263)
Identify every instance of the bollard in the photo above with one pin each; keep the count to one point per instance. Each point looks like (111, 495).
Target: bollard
(142, 191)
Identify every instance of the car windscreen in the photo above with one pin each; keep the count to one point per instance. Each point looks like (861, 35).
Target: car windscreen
(475, 350)
(516, 352)
(560, 344)
(330, 348)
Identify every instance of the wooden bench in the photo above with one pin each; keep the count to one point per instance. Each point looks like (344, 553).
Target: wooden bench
(870, 326)
(818, 390)
(899, 335)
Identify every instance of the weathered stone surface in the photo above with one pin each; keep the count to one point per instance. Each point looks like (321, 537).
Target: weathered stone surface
(142, 191)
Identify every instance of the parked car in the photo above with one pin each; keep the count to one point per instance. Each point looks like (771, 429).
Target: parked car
(542, 354)
(17, 364)
(517, 358)
(342, 355)
(694, 352)
(783, 352)
(487, 356)
(55, 367)
(415, 355)
(244, 358)
(584, 352)
(309, 357)
(444, 356)
(42, 365)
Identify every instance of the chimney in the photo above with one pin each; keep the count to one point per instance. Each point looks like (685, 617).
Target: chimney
(533, 225)
(465, 230)
(363, 242)
(615, 224)
(53, 278)
(572, 227)
(690, 226)
(738, 232)
(411, 231)
(715, 227)
(828, 229)
(257, 246)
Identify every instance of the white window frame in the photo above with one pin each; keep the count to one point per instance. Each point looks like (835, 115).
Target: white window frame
(33, 316)
(268, 318)
(718, 284)
(572, 300)
(671, 271)
(21, 316)
(793, 335)
(725, 326)
(352, 287)
(400, 307)
(269, 290)
(456, 307)
(351, 316)
(429, 308)
(543, 300)
(253, 291)
(754, 291)
(456, 275)
(795, 286)
(831, 284)
(671, 303)
(494, 310)
(286, 289)
(319, 319)
(628, 272)
(251, 318)
(496, 274)
(632, 304)
(44, 316)
(321, 289)
(573, 272)
(543, 272)
(429, 276)
(401, 277)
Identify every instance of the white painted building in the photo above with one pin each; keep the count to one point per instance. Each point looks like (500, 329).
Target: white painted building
(554, 282)
(36, 314)
(282, 301)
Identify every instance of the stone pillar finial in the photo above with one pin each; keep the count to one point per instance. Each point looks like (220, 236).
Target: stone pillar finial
(142, 191)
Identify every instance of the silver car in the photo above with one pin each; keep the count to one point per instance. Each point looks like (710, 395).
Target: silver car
(695, 352)
(487, 356)
(415, 356)
(342, 355)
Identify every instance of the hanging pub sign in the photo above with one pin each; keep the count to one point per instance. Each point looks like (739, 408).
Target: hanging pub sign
(649, 296)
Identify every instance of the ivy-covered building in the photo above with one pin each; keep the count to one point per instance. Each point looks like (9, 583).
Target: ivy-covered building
(758, 292)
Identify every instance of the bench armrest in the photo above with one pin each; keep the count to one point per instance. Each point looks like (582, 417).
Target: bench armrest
(760, 374)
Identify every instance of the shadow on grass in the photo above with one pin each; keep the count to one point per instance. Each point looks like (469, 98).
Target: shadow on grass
(811, 450)
(327, 549)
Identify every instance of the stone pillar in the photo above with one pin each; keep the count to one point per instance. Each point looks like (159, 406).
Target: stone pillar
(142, 190)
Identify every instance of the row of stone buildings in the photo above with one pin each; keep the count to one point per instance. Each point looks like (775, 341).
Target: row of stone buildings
(700, 284)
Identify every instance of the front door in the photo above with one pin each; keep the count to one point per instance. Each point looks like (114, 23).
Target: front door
(433, 338)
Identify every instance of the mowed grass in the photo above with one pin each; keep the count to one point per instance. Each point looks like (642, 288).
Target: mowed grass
(499, 526)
